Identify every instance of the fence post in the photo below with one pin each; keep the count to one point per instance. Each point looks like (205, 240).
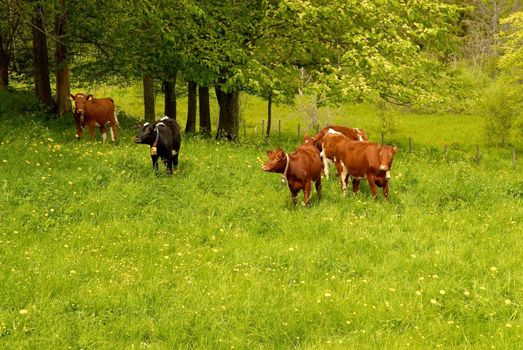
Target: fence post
(410, 144)
(478, 155)
(298, 131)
(279, 128)
(514, 157)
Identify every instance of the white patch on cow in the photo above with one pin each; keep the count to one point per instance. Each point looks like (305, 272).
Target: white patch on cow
(116, 118)
(96, 123)
(112, 135)
(360, 137)
(174, 153)
(77, 136)
(145, 124)
(160, 124)
(333, 132)
(104, 136)
(165, 118)
(387, 174)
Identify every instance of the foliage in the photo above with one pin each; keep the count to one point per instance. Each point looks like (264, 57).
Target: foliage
(511, 60)
(500, 109)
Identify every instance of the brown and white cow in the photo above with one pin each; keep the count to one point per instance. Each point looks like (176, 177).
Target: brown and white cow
(355, 134)
(300, 169)
(359, 160)
(93, 112)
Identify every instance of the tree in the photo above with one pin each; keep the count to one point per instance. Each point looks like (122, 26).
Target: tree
(190, 127)
(10, 16)
(148, 98)
(205, 111)
(41, 59)
(169, 87)
(62, 72)
(511, 59)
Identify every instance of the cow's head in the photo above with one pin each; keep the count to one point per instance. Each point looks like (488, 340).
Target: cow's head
(276, 161)
(307, 140)
(79, 104)
(318, 139)
(385, 157)
(146, 134)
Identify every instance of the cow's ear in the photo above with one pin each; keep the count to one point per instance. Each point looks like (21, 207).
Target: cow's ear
(71, 97)
(269, 152)
(395, 148)
(89, 97)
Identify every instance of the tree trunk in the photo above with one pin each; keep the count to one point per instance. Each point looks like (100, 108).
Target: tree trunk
(190, 127)
(4, 66)
(205, 111)
(62, 73)
(269, 115)
(6, 48)
(41, 61)
(170, 96)
(228, 123)
(148, 98)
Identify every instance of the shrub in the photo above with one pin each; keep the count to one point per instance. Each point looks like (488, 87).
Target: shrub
(499, 107)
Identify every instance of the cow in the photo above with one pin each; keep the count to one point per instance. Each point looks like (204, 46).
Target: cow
(300, 169)
(164, 139)
(92, 112)
(352, 133)
(358, 160)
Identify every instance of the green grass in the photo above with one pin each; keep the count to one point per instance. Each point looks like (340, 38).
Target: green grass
(97, 252)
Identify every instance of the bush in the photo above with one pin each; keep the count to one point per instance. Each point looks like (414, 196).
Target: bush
(499, 107)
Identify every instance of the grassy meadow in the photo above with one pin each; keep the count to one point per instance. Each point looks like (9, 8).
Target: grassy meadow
(96, 252)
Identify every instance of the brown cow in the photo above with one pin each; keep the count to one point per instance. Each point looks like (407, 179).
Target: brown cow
(92, 112)
(355, 134)
(360, 160)
(299, 168)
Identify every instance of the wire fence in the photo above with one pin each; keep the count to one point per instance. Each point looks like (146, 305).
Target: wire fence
(277, 132)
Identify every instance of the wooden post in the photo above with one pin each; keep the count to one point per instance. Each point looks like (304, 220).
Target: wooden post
(298, 131)
(410, 145)
(279, 128)
(478, 155)
(382, 138)
(445, 152)
(514, 157)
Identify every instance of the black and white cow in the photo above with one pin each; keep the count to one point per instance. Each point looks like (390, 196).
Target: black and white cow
(164, 140)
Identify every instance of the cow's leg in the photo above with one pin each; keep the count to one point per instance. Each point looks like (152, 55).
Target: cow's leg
(169, 164)
(318, 186)
(372, 184)
(294, 195)
(307, 192)
(113, 132)
(343, 176)
(154, 159)
(386, 189)
(103, 132)
(325, 164)
(79, 132)
(91, 125)
(175, 159)
(355, 185)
